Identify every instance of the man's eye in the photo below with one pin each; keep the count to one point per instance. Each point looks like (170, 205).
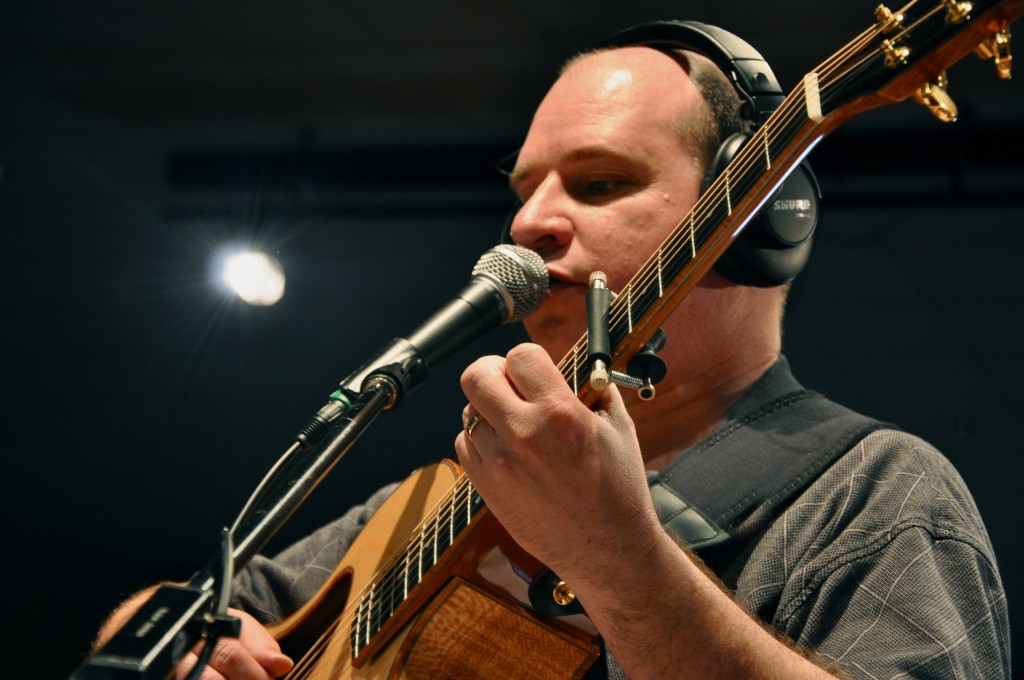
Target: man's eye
(603, 187)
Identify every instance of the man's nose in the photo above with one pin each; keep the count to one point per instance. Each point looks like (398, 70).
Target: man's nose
(544, 222)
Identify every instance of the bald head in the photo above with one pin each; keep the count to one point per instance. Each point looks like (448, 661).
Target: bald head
(636, 82)
(704, 128)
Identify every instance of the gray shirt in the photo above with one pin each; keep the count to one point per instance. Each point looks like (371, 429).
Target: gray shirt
(882, 565)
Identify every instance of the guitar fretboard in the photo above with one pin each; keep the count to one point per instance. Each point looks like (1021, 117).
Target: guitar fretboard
(393, 586)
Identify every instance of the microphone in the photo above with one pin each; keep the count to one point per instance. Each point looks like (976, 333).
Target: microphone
(508, 284)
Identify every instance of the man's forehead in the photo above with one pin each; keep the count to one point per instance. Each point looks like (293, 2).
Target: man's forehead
(565, 155)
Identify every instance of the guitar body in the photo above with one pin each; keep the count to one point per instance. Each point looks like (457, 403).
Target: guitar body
(468, 617)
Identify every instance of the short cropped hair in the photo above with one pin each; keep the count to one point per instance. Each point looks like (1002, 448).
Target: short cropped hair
(724, 107)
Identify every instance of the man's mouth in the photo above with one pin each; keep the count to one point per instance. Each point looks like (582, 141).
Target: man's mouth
(556, 284)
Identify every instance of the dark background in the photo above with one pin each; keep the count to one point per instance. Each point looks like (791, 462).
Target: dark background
(356, 143)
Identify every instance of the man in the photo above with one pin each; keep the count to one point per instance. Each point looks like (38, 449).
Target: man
(881, 563)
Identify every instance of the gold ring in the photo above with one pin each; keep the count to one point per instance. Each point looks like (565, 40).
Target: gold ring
(471, 425)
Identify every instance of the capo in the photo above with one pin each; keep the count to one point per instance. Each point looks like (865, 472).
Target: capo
(645, 369)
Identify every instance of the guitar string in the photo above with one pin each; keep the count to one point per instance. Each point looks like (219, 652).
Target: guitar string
(443, 513)
(676, 242)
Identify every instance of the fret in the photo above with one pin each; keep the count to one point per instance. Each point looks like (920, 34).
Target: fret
(405, 576)
(443, 534)
(661, 287)
(434, 542)
(693, 236)
(629, 305)
(575, 368)
(728, 192)
(767, 153)
(369, 608)
(419, 557)
(393, 598)
(451, 525)
(356, 646)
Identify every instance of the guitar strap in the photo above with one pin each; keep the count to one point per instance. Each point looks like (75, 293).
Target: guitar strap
(724, 490)
(728, 487)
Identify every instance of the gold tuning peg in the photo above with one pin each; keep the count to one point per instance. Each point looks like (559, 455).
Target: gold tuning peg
(997, 48)
(895, 55)
(957, 11)
(934, 96)
(887, 21)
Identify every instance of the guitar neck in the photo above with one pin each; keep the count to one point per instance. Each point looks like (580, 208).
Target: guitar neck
(887, 63)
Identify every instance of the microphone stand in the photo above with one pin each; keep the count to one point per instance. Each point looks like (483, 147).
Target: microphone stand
(509, 282)
(176, 617)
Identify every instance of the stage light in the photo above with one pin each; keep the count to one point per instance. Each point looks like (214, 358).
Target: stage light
(255, 277)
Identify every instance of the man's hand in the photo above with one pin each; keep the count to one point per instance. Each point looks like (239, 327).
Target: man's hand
(567, 482)
(254, 655)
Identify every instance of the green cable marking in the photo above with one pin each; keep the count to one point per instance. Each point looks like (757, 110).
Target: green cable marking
(338, 395)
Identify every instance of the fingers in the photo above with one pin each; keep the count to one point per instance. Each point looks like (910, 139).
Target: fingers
(486, 388)
(495, 385)
(255, 655)
(532, 373)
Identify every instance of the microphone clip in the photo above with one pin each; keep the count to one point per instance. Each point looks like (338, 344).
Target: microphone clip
(645, 369)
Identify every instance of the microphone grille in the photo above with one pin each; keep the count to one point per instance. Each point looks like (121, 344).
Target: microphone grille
(521, 272)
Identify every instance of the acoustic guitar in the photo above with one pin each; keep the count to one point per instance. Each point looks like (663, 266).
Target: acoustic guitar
(434, 587)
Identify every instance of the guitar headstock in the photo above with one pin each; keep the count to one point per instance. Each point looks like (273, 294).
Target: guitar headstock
(907, 51)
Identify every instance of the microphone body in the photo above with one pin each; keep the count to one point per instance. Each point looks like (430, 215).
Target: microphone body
(509, 283)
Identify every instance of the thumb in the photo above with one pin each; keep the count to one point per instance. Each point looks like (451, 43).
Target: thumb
(262, 645)
(611, 406)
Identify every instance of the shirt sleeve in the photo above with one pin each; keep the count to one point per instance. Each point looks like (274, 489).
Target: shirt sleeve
(888, 570)
(912, 606)
(272, 588)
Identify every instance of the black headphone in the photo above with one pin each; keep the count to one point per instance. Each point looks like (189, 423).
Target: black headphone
(776, 244)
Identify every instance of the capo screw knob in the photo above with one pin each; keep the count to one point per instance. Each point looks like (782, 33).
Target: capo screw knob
(563, 594)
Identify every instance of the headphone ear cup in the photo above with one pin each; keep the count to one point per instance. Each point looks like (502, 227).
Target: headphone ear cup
(750, 263)
(775, 245)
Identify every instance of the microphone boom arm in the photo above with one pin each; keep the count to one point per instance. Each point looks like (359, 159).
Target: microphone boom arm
(509, 283)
